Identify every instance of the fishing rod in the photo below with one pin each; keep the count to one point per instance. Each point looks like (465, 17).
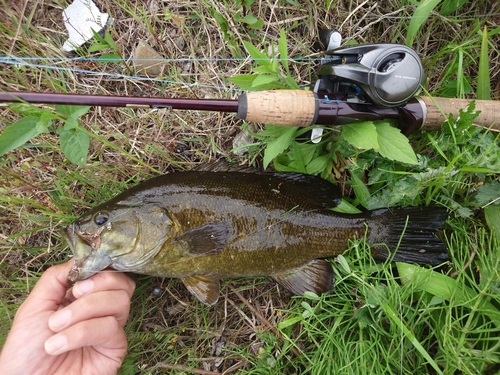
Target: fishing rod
(361, 83)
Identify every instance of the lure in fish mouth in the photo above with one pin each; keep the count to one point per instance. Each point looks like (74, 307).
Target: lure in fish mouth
(224, 222)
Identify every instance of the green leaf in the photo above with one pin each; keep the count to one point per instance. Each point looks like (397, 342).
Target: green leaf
(259, 57)
(244, 81)
(450, 88)
(488, 194)
(361, 135)
(97, 47)
(318, 165)
(26, 109)
(404, 191)
(109, 39)
(360, 190)
(483, 74)
(45, 121)
(278, 145)
(394, 145)
(109, 57)
(463, 121)
(289, 322)
(343, 263)
(74, 144)
(221, 20)
(70, 123)
(283, 50)
(424, 9)
(449, 6)
(298, 160)
(263, 79)
(72, 120)
(447, 288)
(264, 69)
(346, 208)
(253, 21)
(74, 111)
(289, 82)
(19, 133)
(98, 37)
(492, 215)
(237, 17)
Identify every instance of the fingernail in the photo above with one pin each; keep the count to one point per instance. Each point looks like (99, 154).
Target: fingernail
(59, 319)
(84, 287)
(55, 343)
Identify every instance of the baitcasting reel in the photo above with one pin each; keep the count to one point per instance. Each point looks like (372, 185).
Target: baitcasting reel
(387, 75)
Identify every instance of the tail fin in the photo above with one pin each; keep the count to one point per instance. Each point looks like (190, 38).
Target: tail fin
(410, 232)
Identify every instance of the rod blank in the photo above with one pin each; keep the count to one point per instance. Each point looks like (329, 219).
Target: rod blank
(290, 107)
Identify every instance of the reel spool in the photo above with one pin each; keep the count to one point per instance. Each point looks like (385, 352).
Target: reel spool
(388, 74)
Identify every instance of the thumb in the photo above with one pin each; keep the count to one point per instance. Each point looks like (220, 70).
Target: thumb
(50, 290)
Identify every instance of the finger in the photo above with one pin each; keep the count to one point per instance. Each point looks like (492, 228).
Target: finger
(50, 289)
(115, 303)
(103, 331)
(104, 281)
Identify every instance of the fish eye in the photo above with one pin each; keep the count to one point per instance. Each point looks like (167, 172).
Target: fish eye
(101, 218)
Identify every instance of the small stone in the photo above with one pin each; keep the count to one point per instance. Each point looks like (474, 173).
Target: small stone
(180, 43)
(153, 6)
(147, 61)
(157, 291)
(241, 139)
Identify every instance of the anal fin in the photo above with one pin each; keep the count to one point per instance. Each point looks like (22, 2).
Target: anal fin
(204, 287)
(315, 276)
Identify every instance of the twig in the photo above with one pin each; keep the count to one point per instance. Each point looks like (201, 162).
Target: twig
(19, 26)
(186, 368)
(466, 265)
(263, 320)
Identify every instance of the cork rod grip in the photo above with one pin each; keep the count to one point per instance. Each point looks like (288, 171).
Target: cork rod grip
(435, 107)
(279, 107)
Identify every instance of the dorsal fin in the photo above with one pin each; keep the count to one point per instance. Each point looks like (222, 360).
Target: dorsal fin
(319, 192)
(224, 166)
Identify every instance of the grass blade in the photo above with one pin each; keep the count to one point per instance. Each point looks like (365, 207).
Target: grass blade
(421, 14)
(447, 288)
(483, 74)
(408, 334)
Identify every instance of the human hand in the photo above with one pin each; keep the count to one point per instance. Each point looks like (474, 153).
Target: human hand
(75, 331)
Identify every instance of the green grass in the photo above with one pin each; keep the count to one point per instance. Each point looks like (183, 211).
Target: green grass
(382, 318)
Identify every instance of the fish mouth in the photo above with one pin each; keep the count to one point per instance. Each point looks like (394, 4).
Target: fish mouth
(76, 242)
(84, 246)
(80, 250)
(70, 237)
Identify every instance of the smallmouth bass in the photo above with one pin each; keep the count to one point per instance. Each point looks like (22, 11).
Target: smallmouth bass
(222, 221)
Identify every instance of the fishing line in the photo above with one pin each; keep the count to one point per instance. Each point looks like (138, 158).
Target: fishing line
(31, 63)
(112, 75)
(7, 59)
(24, 62)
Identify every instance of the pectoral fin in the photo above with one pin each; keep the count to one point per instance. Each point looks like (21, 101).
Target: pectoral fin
(315, 276)
(206, 239)
(204, 287)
